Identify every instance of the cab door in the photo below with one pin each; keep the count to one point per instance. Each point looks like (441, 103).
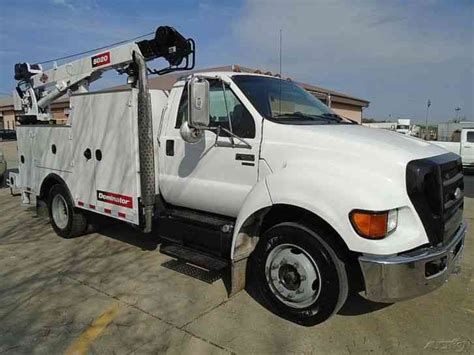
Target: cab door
(217, 173)
(467, 146)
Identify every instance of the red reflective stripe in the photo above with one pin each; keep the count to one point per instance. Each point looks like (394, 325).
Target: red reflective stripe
(122, 215)
(106, 210)
(80, 203)
(92, 207)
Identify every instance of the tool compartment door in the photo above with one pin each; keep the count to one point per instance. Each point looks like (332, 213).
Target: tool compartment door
(82, 180)
(26, 166)
(115, 137)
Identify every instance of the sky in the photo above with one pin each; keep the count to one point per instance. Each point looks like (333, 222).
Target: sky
(396, 54)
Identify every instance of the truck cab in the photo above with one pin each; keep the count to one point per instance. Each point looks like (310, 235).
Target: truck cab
(280, 162)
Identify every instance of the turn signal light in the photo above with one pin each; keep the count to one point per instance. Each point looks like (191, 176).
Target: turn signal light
(374, 225)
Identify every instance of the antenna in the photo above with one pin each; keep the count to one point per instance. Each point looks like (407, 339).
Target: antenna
(281, 78)
(280, 51)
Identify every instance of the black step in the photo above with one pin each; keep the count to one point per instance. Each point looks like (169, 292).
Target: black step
(194, 257)
(192, 271)
(203, 218)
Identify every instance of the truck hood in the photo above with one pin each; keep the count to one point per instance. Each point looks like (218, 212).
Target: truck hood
(336, 145)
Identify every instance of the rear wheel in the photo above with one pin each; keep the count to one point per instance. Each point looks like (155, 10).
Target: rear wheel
(298, 275)
(67, 221)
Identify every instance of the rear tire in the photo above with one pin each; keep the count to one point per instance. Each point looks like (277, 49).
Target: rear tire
(298, 275)
(67, 221)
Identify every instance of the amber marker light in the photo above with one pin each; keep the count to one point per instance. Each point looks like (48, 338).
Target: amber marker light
(374, 225)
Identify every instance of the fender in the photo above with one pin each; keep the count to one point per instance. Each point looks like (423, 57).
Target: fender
(48, 182)
(256, 203)
(330, 196)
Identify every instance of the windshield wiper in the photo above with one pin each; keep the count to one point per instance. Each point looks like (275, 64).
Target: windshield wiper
(332, 117)
(299, 115)
(338, 118)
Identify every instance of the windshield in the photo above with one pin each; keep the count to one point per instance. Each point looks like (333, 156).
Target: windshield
(284, 102)
(403, 127)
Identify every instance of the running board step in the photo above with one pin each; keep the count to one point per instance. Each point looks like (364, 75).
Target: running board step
(192, 271)
(194, 257)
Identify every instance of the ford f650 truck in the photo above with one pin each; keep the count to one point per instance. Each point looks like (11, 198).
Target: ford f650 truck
(246, 173)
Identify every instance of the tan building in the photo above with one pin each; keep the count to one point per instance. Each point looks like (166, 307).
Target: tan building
(344, 105)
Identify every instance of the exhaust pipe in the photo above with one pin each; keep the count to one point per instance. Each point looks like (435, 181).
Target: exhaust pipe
(145, 143)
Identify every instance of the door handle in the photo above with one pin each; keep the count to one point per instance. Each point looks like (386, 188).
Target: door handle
(87, 154)
(244, 157)
(466, 146)
(170, 147)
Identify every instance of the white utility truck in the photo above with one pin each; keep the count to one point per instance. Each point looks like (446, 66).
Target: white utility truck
(403, 126)
(464, 148)
(245, 173)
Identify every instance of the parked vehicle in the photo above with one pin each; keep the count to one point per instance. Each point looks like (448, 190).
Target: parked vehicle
(403, 126)
(464, 148)
(7, 134)
(247, 173)
(3, 166)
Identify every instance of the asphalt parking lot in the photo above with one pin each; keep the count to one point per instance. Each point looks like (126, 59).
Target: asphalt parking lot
(110, 292)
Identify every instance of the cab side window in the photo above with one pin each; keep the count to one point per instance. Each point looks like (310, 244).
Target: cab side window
(182, 109)
(470, 137)
(222, 102)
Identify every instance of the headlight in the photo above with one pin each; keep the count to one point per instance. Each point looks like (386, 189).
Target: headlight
(374, 225)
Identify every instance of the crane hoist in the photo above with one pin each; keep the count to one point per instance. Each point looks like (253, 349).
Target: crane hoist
(38, 88)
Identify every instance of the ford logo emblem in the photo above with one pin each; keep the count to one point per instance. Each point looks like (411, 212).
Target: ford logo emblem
(457, 193)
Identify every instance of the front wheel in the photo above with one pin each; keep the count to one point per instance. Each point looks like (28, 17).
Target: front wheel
(298, 275)
(67, 222)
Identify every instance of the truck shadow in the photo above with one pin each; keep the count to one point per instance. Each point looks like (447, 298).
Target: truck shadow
(124, 233)
(357, 305)
(354, 306)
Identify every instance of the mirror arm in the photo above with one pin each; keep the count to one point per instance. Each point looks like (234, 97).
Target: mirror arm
(227, 111)
(234, 136)
(218, 133)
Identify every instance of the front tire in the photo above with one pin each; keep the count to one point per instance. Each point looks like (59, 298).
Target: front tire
(66, 220)
(298, 275)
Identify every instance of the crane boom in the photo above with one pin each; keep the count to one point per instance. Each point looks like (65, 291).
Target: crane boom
(38, 88)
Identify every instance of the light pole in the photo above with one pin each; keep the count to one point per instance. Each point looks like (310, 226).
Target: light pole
(457, 109)
(428, 104)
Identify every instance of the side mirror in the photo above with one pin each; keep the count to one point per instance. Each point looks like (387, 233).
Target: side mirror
(198, 91)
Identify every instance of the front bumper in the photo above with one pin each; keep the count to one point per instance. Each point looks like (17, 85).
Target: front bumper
(411, 274)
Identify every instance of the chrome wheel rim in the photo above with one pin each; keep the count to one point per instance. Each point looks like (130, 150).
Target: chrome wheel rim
(293, 275)
(60, 211)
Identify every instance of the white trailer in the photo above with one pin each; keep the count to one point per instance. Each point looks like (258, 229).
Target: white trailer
(246, 173)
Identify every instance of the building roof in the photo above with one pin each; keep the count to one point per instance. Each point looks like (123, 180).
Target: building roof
(166, 82)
